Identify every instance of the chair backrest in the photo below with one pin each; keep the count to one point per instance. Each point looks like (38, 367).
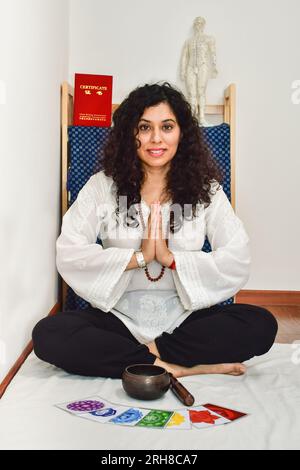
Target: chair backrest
(85, 143)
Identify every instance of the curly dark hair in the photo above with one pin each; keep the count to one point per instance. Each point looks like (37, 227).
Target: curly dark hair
(192, 169)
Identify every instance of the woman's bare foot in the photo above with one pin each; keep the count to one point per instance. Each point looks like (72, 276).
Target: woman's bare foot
(226, 368)
(180, 371)
(175, 369)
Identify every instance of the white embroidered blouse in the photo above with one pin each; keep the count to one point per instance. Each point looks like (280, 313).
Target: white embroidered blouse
(147, 308)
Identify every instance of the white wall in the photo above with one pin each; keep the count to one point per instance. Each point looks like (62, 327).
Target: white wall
(258, 49)
(34, 60)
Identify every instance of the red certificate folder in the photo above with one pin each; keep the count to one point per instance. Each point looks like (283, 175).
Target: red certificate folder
(92, 100)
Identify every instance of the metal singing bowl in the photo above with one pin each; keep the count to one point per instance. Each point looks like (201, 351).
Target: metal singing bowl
(149, 382)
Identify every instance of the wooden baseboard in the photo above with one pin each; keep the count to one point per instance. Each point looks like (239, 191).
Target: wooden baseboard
(268, 297)
(21, 359)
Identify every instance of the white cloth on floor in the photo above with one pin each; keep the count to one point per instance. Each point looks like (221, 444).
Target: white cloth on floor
(269, 392)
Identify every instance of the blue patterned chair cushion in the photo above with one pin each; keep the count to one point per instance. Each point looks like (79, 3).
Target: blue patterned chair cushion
(84, 146)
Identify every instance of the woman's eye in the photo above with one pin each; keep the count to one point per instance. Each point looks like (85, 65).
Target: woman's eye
(144, 126)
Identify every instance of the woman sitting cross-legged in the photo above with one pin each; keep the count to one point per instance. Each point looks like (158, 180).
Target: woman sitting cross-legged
(154, 296)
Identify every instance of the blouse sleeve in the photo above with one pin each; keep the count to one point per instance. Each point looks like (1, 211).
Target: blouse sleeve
(205, 279)
(98, 275)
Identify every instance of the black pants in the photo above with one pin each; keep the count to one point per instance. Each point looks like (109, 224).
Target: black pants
(95, 343)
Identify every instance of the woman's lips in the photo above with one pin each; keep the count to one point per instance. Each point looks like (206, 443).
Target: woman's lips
(156, 153)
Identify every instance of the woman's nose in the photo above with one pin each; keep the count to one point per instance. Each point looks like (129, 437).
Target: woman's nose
(156, 136)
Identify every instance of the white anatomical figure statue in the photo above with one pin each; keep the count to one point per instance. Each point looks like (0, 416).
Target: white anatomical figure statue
(198, 64)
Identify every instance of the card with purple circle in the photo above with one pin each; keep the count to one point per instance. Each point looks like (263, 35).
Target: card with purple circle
(84, 405)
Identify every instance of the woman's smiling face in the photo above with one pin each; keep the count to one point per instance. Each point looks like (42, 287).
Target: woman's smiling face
(158, 129)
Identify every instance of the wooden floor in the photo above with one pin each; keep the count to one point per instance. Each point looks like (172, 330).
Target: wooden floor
(288, 318)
